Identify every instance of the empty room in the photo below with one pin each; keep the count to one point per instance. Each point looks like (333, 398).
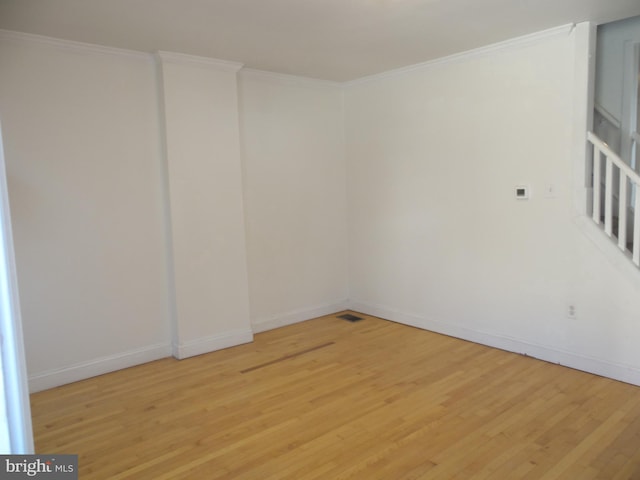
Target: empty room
(366, 239)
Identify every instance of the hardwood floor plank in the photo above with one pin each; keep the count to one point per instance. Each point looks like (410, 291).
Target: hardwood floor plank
(330, 399)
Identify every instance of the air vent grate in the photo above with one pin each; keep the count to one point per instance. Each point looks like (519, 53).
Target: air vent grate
(350, 318)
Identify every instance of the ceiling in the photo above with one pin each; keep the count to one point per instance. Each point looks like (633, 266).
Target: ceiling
(335, 40)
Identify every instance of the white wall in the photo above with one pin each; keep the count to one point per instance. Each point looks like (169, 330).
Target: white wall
(84, 171)
(126, 181)
(208, 254)
(611, 62)
(396, 192)
(295, 196)
(438, 240)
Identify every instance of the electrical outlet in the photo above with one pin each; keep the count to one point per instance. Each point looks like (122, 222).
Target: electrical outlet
(571, 311)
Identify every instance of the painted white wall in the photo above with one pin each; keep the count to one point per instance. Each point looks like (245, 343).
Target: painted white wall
(295, 196)
(200, 106)
(111, 209)
(406, 180)
(610, 62)
(84, 171)
(437, 238)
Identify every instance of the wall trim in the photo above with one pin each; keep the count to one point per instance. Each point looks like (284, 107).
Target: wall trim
(185, 59)
(72, 45)
(296, 316)
(289, 79)
(227, 65)
(212, 343)
(505, 45)
(583, 99)
(596, 366)
(98, 366)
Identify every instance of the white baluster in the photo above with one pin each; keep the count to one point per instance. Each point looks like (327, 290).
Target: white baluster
(608, 197)
(636, 229)
(622, 213)
(596, 184)
(629, 178)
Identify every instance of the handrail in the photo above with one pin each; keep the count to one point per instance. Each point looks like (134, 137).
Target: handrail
(621, 164)
(607, 116)
(626, 174)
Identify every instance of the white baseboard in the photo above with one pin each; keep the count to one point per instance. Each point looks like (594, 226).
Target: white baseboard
(296, 316)
(597, 366)
(98, 366)
(199, 346)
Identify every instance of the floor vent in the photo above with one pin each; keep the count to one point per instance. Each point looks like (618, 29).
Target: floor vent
(350, 318)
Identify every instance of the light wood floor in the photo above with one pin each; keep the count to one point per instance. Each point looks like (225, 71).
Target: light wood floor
(329, 399)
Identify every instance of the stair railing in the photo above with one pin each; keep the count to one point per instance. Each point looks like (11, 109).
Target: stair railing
(627, 177)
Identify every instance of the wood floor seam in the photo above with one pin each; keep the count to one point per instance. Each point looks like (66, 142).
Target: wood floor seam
(286, 357)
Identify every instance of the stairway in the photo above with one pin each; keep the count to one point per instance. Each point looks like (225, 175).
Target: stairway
(615, 230)
(611, 208)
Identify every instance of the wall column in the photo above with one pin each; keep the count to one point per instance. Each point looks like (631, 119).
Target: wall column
(199, 100)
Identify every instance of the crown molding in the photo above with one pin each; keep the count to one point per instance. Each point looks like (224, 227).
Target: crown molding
(181, 58)
(71, 44)
(184, 59)
(289, 79)
(512, 43)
